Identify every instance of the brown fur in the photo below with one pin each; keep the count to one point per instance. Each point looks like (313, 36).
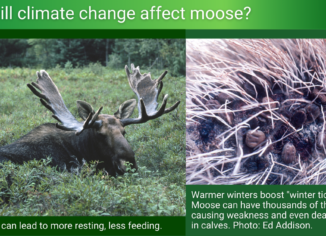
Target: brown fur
(67, 150)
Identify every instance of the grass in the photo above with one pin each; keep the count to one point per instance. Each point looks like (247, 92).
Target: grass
(158, 188)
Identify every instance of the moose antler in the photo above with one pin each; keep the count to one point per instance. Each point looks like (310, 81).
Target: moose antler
(147, 91)
(51, 98)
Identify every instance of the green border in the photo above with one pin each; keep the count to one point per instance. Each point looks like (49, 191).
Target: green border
(174, 225)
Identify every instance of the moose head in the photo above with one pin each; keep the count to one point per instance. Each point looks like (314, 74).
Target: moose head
(99, 136)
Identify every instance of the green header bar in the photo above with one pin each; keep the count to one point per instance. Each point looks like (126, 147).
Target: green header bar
(168, 14)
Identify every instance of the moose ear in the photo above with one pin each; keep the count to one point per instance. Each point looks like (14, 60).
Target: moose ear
(126, 109)
(84, 109)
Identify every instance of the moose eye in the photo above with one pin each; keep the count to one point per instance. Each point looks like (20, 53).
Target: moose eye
(124, 133)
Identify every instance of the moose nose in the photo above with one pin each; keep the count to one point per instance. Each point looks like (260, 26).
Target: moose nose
(134, 165)
(123, 166)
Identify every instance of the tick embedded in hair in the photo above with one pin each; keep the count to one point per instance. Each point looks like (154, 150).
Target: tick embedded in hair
(289, 153)
(298, 118)
(320, 94)
(254, 138)
(271, 102)
(204, 129)
(313, 112)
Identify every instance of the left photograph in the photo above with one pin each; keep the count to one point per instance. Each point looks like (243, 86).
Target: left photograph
(87, 127)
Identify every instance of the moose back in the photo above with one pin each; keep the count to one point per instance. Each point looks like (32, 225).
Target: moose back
(99, 137)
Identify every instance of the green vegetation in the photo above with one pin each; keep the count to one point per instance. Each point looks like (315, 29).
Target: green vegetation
(47, 53)
(158, 188)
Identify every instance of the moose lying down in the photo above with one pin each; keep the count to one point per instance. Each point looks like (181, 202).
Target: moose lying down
(99, 137)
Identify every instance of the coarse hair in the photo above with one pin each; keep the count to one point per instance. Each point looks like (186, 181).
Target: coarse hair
(255, 111)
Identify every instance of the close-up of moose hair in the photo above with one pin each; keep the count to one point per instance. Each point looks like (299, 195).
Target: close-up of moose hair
(100, 137)
(256, 111)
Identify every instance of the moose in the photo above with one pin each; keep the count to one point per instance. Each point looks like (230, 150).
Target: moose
(99, 137)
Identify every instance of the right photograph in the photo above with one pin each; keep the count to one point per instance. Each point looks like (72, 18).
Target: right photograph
(256, 111)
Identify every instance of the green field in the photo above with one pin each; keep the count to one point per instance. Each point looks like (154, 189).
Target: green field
(158, 188)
